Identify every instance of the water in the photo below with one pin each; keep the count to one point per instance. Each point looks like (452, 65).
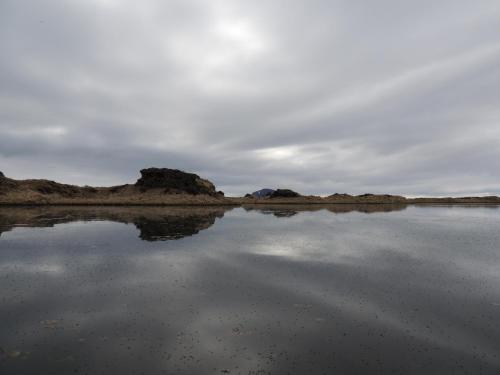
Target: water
(276, 290)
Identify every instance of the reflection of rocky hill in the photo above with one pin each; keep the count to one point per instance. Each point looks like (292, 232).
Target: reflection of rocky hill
(154, 223)
(276, 211)
(366, 208)
(282, 210)
(174, 227)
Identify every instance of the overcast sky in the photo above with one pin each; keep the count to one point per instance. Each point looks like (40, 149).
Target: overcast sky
(325, 96)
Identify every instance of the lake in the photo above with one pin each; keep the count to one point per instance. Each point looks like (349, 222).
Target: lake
(338, 289)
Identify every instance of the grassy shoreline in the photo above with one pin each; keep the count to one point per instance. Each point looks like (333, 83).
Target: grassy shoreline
(169, 187)
(263, 202)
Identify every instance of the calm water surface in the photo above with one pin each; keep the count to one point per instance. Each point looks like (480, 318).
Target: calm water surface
(274, 290)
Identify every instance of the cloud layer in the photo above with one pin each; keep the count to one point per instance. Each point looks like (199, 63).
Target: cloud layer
(319, 96)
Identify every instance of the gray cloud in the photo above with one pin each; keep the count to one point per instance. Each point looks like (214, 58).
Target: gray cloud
(319, 96)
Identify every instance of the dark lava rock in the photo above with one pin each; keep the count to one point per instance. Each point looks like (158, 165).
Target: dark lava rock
(174, 181)
(262, 193)
(2, 175)
(284, 193)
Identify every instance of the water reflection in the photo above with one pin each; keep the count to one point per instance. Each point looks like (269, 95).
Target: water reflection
(154, 223)
(162, 223)
(413, 291)
(284, 210)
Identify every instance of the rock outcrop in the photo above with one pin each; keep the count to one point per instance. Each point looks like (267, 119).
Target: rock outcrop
(284, 193)
(174, 181)
(2, 175)
(262, 193)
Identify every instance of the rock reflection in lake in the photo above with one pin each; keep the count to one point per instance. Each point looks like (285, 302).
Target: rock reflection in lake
(411, 291)
(288, 210)
(154, 223)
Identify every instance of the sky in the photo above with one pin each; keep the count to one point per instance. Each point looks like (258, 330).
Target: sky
(320, 96)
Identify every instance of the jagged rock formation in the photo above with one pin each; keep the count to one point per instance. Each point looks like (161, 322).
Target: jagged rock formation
(175, 181)
(284, 193)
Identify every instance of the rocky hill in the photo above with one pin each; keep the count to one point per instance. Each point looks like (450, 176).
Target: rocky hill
(262, 193)
(174, 181)
(284, 193)
(155, 186)
(272, 193)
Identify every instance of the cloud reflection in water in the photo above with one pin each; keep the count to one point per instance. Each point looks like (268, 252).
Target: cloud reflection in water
(407, 291)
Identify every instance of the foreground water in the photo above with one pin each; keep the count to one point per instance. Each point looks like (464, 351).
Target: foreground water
(275, 290)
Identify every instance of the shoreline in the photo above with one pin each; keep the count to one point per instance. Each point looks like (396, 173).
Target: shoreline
(230, 204)
(164, 187)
